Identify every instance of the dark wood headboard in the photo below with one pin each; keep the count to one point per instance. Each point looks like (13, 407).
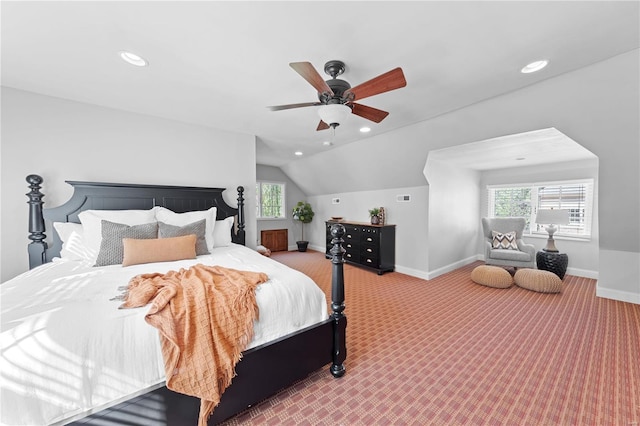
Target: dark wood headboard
(120, 196)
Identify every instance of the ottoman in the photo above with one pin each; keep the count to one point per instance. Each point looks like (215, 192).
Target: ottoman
(491, 276)
(538, 280)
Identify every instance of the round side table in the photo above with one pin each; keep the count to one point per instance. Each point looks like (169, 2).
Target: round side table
(552, 262)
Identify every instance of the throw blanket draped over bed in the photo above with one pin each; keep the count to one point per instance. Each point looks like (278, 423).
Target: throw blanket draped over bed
(205, 318)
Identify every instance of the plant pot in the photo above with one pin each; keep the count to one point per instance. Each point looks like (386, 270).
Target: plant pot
(375, 220)
(302, 245)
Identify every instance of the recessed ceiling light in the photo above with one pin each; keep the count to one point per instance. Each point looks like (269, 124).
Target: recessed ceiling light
(133, 59)
(520, 158)
(298, 153)
(534, 66)
(365, 129)
(327, 143)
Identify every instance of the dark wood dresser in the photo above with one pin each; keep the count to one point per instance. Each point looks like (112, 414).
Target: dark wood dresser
(371, 246)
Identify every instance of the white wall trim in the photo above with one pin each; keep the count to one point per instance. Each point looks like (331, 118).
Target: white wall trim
(452, 266)
(413, 272)
(584, 273)
(622, 296)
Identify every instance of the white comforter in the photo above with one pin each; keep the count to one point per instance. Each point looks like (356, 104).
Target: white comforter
(67, 350)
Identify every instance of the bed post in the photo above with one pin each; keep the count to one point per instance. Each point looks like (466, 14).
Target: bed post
(337, 301)
(241, 234)
(38, 246)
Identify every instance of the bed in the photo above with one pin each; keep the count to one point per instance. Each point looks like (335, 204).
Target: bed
(115, 364)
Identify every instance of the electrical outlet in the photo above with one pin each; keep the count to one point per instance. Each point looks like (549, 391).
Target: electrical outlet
(335, 201)
(403, 198)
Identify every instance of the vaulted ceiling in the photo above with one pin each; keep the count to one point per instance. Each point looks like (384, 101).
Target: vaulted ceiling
(220, 64)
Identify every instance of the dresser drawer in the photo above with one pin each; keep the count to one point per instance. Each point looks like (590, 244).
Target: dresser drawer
(372, 261)
(352, 256)
(370, 236)
(370, 250)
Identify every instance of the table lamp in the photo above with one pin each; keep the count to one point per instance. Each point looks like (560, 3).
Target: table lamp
(552, 218)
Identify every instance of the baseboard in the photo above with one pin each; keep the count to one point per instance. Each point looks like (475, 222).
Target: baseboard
(413, 272)
(623, 296)
(321, 249)
(451, 267)
(584, 273)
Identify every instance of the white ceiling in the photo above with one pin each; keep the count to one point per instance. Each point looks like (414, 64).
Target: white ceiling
(544, 146)
(220, 64)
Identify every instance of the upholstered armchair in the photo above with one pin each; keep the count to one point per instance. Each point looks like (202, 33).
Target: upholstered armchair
(516, 253)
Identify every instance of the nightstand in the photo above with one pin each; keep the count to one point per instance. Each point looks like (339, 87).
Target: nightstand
(553, 262)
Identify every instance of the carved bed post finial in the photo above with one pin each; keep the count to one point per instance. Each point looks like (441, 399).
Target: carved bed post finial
(241, 232)
(38, 246)
(337, 301)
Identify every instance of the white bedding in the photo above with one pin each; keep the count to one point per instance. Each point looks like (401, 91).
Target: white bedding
(67, 350)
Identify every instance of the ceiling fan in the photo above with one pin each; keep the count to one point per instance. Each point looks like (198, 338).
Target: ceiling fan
(337, 97)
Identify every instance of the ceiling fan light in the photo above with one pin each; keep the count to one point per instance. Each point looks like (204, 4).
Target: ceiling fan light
(333, 114)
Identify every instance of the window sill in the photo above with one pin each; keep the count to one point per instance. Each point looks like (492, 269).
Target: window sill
(558, 237)
(272, 218)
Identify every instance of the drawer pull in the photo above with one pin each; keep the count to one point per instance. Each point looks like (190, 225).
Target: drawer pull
(369, 260)
(349, 245)
(348, 255)
(369, 239)
(369, 250)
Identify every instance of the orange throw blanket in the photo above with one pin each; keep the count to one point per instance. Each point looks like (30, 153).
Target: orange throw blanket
(205, 318)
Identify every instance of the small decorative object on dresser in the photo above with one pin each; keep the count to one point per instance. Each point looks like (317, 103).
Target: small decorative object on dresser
(372, 246)
(374, 214)
(382, 216)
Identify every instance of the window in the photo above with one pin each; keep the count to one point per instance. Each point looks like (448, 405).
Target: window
(270, 200)
(525, 200)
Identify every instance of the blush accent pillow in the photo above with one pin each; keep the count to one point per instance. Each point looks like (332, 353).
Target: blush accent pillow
(197, 228)
(504, 241)
(222, 232)
(165, 215)
(92, 224)
(111, 248)
(158, 249)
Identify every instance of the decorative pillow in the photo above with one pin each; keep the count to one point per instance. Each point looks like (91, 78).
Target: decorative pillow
(158, 249)
(504, 241)
(197, 228)
(73, 246)
(92, 224)
(222, 232)
(181, 219)
(111, 248)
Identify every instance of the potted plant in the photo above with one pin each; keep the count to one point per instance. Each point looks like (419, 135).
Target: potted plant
(373, 213)
(303, 213)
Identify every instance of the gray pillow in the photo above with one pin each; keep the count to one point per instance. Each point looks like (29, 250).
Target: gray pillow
(111, 248)
(197, 228)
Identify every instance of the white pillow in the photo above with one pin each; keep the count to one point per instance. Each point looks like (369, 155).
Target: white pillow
(181, 219)
(222, 232)
(72, 237)
(92, 224)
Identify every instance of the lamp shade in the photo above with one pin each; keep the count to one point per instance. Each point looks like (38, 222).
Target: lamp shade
(333, 114)
(553, 216)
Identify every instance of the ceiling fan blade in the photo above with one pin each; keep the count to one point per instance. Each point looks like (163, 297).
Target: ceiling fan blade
(309, 73)
(322, 125)
(290, 106)
(391, 80)
(370, 113)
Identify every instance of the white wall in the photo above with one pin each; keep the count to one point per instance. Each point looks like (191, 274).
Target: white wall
(454, 194)
(409, 217)
(583, 255)
(63, 140)
(293, 195)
